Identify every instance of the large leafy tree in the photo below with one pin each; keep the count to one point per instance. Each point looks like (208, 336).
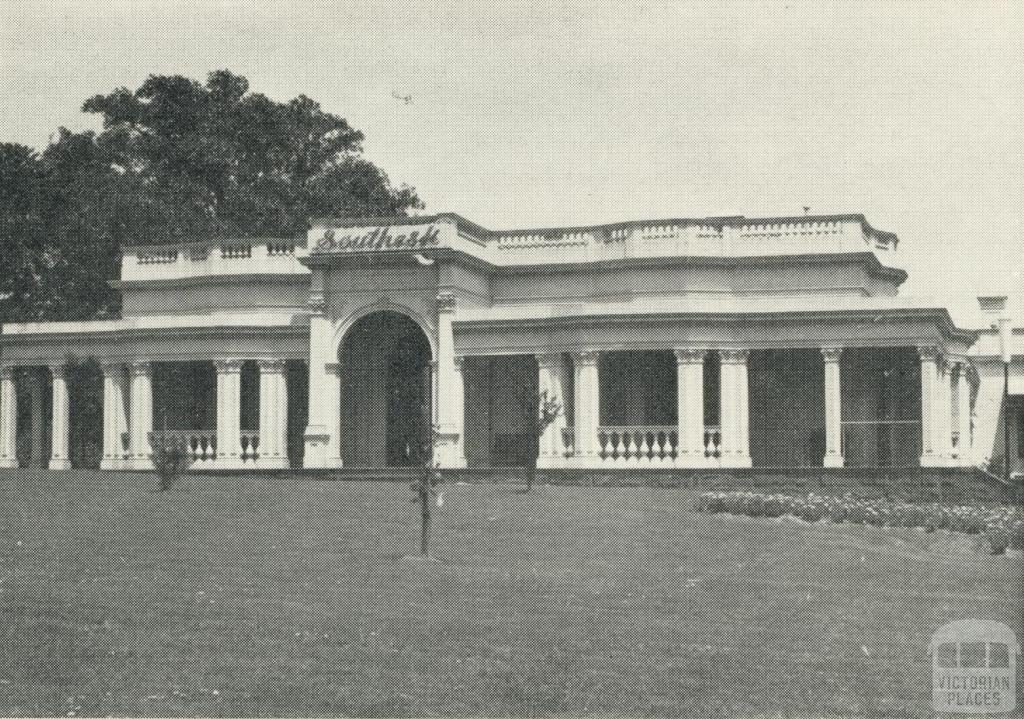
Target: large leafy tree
(176, 160)
(22, 232)
(217, 160)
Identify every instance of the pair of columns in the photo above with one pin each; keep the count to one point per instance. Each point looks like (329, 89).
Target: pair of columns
(945, 409)
(691, 447)
(60, 426)
(128, 415)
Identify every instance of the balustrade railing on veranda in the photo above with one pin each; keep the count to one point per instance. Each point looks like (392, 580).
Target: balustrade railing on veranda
(201, 444)
(650, 444)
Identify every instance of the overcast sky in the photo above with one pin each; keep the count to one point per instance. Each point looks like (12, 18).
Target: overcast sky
(544, 113)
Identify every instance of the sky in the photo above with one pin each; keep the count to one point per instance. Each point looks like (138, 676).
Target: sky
(534, 114)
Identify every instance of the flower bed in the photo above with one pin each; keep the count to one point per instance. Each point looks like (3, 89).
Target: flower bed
(1003, 527)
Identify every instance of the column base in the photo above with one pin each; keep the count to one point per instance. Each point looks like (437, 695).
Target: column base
(834, 460)
(586, 462)
(551, 462)
(696, 462)
(934, 460)
(319, 454)
(448, 452)
(271, 463)
(138, 464)
(109, 465)
(736, 463)
(231, 463)
(60, 464)
(9, 463)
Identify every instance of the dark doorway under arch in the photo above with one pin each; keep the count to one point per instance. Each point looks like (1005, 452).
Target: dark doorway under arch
(385, 391)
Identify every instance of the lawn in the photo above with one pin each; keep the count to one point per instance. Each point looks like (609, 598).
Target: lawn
(250, 596)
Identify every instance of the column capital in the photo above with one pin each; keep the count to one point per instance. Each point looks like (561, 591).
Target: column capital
(688, 355)
(228, 366)
(956, 362)
(446, 302)
(111, 366)
(929, 353)
(549, 359)
(317, 304)
(141, 368)
(59, 370)
(7, 372)
(457, 362)
(832, 354)
(272, 366)
(586, 357)
(734, 356)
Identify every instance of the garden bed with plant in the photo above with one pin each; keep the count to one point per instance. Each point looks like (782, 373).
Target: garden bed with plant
(1002, 526)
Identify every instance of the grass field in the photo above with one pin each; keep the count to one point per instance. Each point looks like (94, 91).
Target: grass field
(249, 596)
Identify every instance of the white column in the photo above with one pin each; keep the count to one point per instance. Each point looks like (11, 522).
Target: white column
(229, 413)
(690, 407)
(59, 426)
(323, 430)
(8, 419)
(141, 415)
(930, 456)
(113, 410)
(273, 448)
(743, 385)
(588, 405)
(833, 407)
(944, 415)
(963, 395)
(36, 400)
(735, 409)
(449, 440)
(551, 380)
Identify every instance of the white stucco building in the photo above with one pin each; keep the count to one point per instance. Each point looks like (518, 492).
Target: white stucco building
(675, 344)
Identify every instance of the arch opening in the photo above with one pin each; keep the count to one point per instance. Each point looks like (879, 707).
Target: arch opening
(385, 360)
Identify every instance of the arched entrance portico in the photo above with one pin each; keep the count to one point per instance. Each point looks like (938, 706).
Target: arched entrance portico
(385, 391)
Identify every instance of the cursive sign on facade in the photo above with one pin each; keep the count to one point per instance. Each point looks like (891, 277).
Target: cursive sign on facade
(377, 238)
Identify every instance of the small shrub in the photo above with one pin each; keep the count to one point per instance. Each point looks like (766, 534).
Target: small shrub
(933, 519)
(754, 507)
(998, 540)
(170, 460)
(858, 514)
(1017, 537)
(838, 512)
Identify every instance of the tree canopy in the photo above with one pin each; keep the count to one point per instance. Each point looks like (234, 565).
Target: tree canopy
(176, 160)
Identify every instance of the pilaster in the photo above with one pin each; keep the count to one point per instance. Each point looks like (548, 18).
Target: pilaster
(449, 434)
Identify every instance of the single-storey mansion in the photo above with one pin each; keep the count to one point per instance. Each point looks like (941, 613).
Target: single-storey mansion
(690, 343)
